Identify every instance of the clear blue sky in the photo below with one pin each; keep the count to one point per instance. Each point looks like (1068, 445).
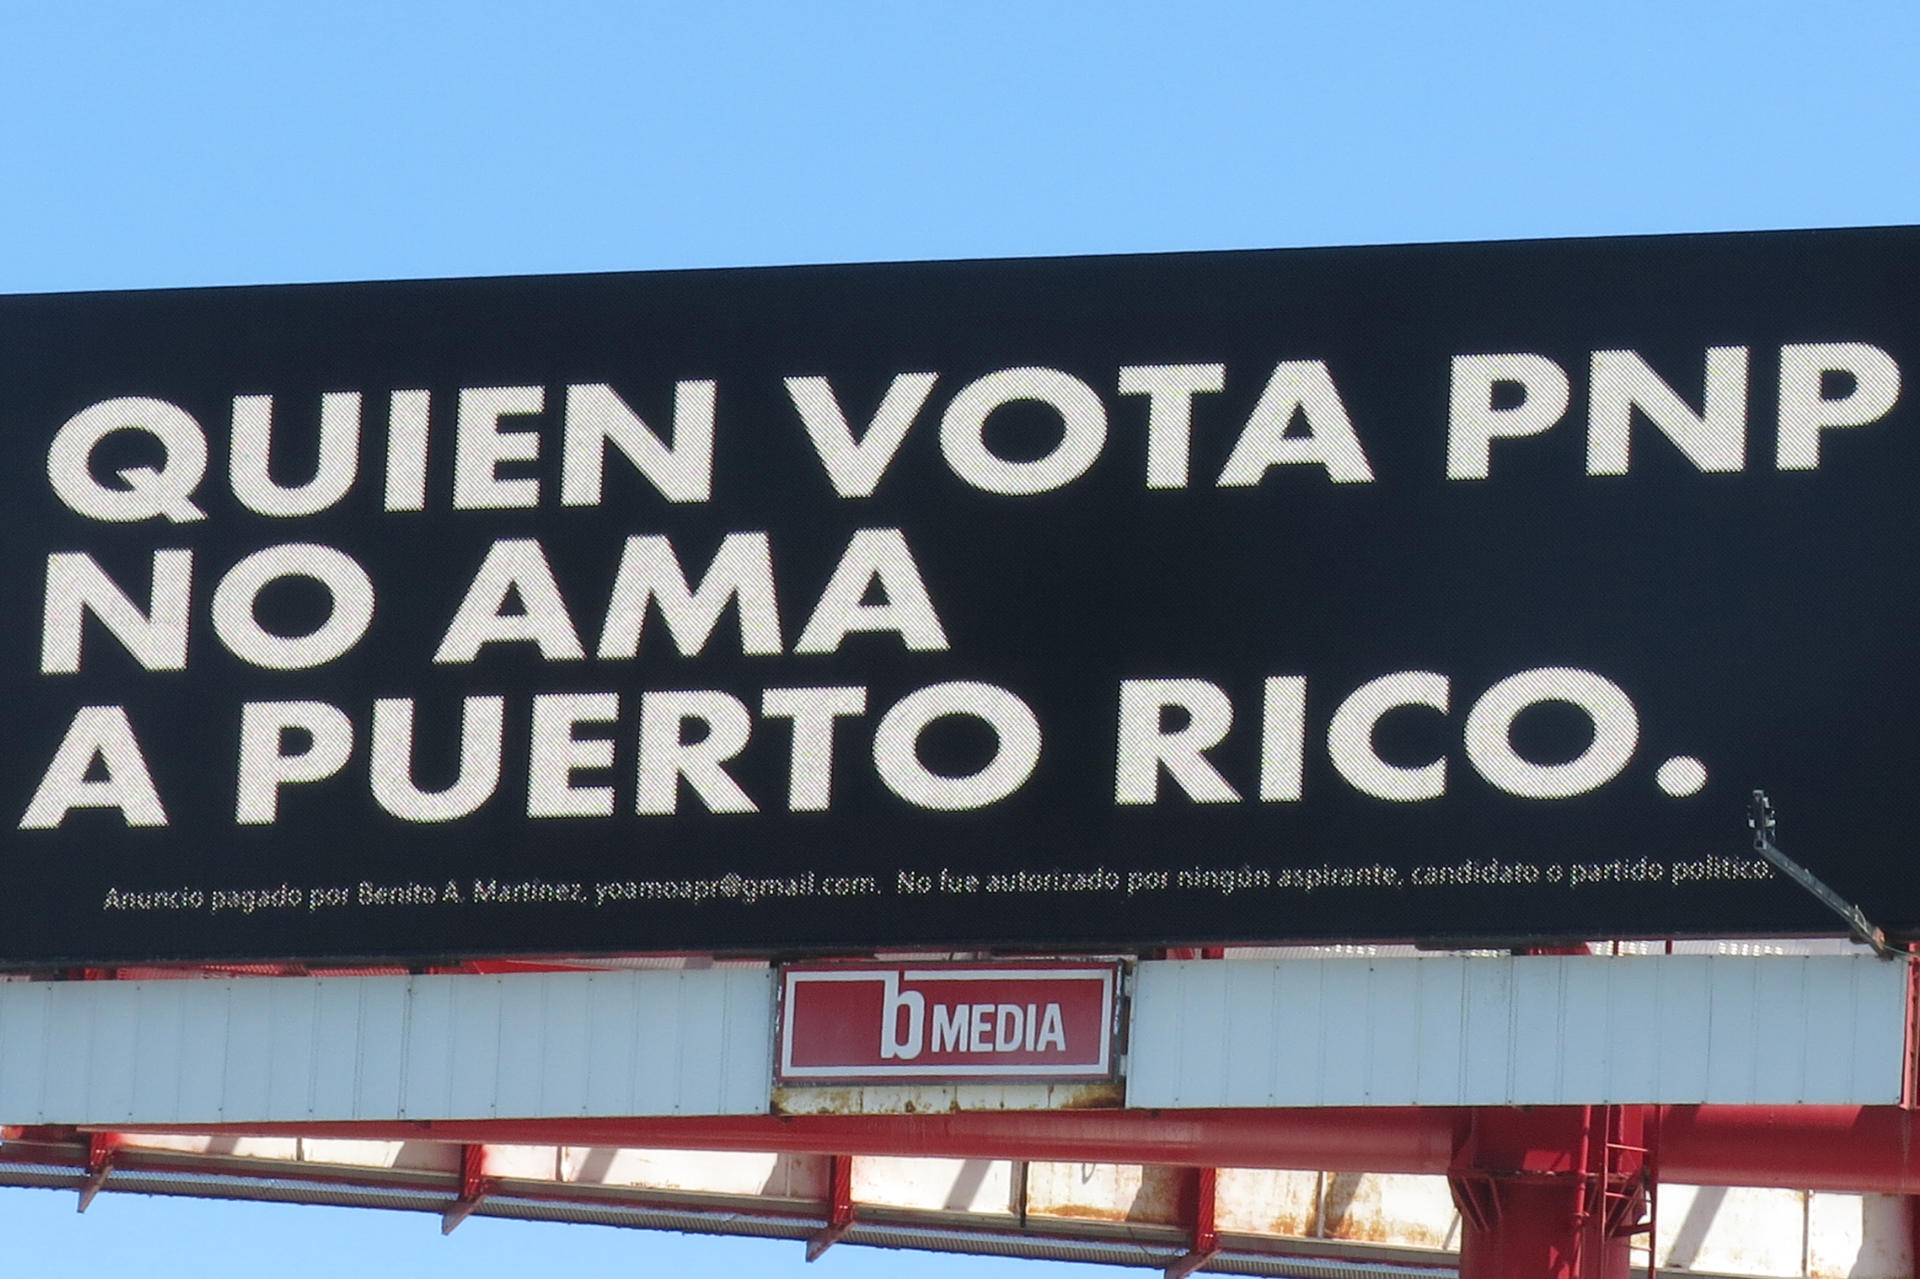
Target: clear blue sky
(194, 143)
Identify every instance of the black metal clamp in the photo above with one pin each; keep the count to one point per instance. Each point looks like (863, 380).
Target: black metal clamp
(1761, 820)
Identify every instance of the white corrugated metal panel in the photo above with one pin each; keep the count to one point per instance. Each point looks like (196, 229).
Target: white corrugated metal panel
(1532, 1030)
(544, 1045)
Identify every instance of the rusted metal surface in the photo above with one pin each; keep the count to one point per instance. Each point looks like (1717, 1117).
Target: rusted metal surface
(934, 1099)
(978, 1187)
(1387, 1208)
(1268, 1201)
(1859, 1237)
(1135, 1193)
(743, 1174)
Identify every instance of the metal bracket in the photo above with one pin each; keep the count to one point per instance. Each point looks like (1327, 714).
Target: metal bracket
(1205, 1244)
(100, 1151)
(475, 1186)
(1761, 821)
(839, 1207)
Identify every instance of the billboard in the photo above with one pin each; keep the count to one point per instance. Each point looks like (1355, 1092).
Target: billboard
(1433, 592)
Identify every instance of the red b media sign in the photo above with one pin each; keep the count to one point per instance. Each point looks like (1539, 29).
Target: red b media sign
(884, 1022)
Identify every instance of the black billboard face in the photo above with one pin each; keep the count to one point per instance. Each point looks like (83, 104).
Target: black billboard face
(1435, 592)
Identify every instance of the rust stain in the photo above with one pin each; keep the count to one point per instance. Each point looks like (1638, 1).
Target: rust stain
(815, 1101)
(1354, 1211)
(895, 1099)
(1082, 1212)
(1401, 1233)
(1103, 1096)
(1105, 1192)
(1299, 1225)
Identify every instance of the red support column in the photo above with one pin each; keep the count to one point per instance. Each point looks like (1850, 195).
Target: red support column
(1521, 1181)
(1553, 1192)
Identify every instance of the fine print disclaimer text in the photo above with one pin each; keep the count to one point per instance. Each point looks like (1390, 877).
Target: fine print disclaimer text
(1646, 873)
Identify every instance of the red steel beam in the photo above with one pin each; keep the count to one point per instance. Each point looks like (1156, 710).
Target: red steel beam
(1864, 1149)
(1861, 1149)
(1355, 1140)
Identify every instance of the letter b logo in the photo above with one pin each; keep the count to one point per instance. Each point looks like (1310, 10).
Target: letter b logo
(894, 1002)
